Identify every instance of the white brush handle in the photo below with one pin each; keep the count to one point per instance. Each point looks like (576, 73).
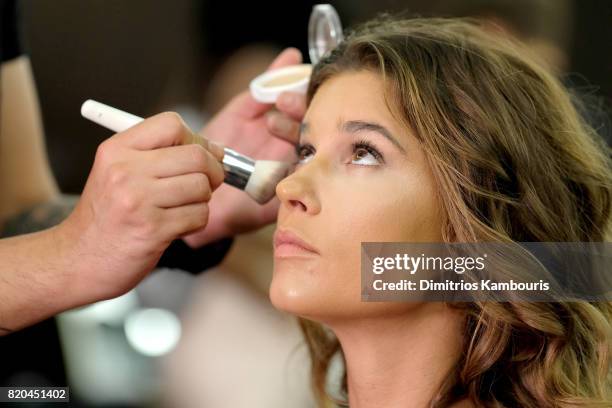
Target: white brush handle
(109, 117)
(238, 168)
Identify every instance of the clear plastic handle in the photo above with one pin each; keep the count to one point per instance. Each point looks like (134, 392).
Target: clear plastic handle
(324, 31)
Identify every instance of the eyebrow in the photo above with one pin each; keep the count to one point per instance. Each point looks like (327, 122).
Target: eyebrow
(356, 126)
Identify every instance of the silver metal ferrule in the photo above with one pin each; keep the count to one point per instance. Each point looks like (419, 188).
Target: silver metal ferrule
(238, 168)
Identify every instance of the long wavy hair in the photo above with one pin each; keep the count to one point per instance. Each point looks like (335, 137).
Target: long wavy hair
(513, 161)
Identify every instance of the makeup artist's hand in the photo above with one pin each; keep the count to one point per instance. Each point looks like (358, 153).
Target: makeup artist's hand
(147, 187)
(262, 132)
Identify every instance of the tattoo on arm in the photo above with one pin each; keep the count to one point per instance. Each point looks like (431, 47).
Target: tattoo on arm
(40, 217)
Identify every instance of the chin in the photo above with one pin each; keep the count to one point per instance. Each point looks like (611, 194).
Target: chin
(307, 288)
(300, 293)
(289, 301)
(295, 288)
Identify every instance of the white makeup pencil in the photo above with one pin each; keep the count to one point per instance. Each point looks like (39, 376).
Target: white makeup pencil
(258, 178)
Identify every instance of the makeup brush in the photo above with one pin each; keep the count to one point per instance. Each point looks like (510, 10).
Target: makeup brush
(258, 178)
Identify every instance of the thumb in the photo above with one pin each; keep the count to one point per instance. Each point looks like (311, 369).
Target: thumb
(289, 56)
(216, 148)
(245, 105)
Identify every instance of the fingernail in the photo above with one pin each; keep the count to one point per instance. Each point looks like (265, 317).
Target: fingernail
(281, 124)
(219, 149)
(287, 99)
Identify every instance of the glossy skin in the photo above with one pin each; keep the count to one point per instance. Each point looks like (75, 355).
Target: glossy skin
(341, 194)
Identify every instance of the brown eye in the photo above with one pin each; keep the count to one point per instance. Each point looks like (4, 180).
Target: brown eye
(360, 153)
(364, 154)
(303, 152)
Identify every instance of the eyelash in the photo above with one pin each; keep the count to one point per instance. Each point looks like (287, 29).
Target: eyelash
(362, 143)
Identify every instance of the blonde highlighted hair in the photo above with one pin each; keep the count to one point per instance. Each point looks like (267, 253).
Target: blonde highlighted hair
(513, 162)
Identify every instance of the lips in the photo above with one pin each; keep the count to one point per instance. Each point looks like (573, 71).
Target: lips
(287, 243)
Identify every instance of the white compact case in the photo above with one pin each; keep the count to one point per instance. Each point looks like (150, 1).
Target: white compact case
(324, 34)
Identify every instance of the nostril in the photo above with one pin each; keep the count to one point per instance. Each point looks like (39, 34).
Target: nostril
(299, 204)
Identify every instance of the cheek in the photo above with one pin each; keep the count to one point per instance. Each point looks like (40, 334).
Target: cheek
(354, 209)
(393, 207)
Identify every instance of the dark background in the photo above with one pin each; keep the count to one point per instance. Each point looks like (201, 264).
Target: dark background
(145, 56)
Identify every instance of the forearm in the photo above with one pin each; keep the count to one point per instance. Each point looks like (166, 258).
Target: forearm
(33, 271)
(35, 279)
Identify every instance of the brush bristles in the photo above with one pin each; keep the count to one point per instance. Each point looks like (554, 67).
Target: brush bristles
(262, 183)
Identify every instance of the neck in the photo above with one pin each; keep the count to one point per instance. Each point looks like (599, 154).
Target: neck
(400, 361)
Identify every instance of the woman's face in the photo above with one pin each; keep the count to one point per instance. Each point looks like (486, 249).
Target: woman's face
(362, 176)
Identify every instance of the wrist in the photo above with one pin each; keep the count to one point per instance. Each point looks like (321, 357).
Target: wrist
(36, 284)
(73, 264)
(64, 267)
(213, 232)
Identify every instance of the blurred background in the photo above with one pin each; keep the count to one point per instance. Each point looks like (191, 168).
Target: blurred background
(214, 340)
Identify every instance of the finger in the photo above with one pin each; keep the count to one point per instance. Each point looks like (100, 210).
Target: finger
(289, 56)
(245, 105)
(282, 126)
(162, 130)
(184, 159)
(293, 104)
(179, 221)
(181, 190)
(215, 148)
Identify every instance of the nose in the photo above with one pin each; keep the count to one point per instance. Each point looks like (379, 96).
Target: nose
(296, 192)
